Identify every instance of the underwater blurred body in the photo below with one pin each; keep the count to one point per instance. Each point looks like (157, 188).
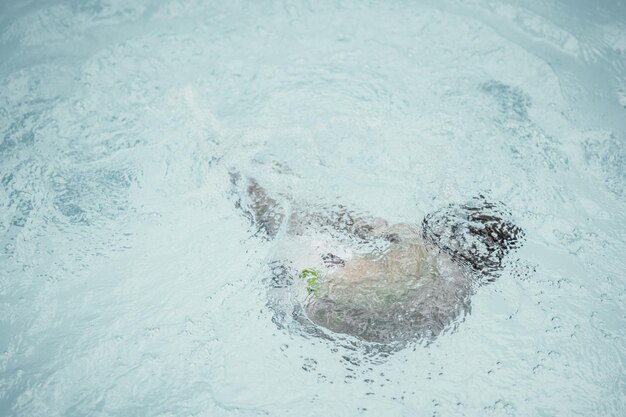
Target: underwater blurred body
(129, 285)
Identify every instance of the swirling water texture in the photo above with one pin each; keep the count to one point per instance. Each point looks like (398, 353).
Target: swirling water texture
(129, 284)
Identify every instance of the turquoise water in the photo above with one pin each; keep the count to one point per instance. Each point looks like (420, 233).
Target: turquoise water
(131, 286)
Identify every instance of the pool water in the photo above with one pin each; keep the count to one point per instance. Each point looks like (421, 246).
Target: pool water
(131, 285)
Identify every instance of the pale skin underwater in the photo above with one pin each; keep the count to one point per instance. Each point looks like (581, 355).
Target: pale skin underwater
(338, 273)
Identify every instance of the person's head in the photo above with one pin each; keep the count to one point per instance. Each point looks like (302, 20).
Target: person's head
(478, 233)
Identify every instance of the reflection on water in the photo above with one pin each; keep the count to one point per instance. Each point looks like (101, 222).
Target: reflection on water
(130, 285)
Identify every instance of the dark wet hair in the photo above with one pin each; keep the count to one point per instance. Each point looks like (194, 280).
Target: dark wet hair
(478, 233)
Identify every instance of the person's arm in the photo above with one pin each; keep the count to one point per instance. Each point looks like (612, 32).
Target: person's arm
(268, 214)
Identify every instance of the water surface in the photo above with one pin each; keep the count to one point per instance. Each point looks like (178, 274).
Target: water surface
(130, 285)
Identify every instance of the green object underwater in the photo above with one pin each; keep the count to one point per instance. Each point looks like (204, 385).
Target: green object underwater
(312, 283)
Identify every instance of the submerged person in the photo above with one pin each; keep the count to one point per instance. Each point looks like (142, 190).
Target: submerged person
(381, 283)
